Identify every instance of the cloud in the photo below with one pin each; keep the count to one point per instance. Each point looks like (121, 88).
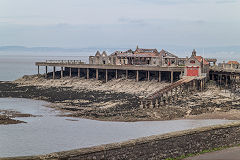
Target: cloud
(132, 21)
(173, 2)
(226, 1)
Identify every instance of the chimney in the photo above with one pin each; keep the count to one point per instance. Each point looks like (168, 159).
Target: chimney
(194, 53)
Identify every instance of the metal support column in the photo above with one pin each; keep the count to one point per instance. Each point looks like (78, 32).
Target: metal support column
(79, 71)
(96, 74)
(159, 76)
(87, 73)
(106, 76)
(38, 70)
(137, 76)
(46, 71)
(148, 75)
(54, 70)
(116, 73)
(171, 76)
(70, 72)
(61, 72)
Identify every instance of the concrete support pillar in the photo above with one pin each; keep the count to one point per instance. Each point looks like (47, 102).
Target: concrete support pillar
(160, 101)
(106, 76)
(180, 90)
(126, 74)
(201, 81)
(38, 70)
(46, 71)
(148, 75)
(96, 74)
(61, 72)
(116, 74)
(156, 103)
(70, 72)
(137, 76)
(194, 85)
(171, 76)
(220, 81)
(181, 75)
(159, 76)
(54, 70)
(176, 93)
(141, 105)
(151, 104)
(79, 71)
(87, 73)
(226, 81)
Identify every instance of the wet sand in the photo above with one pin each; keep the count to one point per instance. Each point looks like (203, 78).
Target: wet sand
(7, 117)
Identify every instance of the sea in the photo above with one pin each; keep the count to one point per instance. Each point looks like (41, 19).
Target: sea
(50, 133)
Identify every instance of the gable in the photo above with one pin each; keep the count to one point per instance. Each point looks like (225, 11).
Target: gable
(193, 61)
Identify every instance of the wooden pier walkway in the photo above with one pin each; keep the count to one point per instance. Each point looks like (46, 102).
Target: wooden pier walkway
(171, 92)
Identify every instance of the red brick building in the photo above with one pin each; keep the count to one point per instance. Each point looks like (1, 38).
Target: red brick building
(196, 66)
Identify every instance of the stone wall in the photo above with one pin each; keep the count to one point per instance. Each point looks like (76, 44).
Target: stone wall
(157, 147)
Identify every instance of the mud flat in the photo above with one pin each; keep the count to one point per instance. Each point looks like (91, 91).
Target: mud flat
(118, 100)
(6, 117)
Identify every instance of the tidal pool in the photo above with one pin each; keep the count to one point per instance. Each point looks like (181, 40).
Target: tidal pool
(50, 133)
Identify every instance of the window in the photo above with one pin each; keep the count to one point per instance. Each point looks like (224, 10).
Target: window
(192, 61)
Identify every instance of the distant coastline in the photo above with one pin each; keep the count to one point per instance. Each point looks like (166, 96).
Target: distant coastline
(220, 52)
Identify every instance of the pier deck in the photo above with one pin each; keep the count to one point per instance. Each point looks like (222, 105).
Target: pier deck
(72, 64)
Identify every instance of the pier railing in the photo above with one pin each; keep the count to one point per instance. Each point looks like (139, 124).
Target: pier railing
(222, 69)
(65, 61)
(170, 94)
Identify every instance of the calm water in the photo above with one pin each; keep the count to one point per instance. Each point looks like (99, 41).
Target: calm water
(15, 65)
(50, 133)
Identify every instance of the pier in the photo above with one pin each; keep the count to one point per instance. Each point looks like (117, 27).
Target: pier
(106, 72)
(185, 76)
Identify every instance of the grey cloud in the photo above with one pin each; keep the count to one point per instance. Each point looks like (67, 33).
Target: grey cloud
(132, 21)
(227, 1)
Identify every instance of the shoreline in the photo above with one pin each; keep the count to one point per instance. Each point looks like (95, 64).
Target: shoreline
(107, 105)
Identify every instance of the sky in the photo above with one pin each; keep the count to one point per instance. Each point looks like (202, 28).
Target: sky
(119, 23)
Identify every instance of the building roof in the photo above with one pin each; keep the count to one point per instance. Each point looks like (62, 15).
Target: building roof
(164, 53)
(141, 52)
(232, 62)
(200, 59)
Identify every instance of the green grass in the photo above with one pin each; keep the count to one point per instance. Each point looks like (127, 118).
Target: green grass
(202, 152)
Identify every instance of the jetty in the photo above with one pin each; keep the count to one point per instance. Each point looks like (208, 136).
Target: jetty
(185, 75)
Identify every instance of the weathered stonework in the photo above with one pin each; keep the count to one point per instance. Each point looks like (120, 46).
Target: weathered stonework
(156, 147)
